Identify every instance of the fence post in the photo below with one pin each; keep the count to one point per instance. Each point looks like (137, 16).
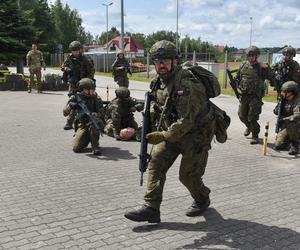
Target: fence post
(225, 68)
(148, 61)
(194, 57)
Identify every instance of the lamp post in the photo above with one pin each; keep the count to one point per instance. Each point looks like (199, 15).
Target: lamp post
(107, 5)
(122, 26)
(177, 25)
(251, 30)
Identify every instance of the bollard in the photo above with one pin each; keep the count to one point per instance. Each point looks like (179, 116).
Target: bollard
(107, 93)
(265, 143)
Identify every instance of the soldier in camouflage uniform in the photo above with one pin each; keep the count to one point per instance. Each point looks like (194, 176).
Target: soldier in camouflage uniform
(252, 87)
(120, 113)
(290, 127)
(35, 62)
(120, 69)
(186, 129)
(84, 131)
(287, 69)
(75, 67)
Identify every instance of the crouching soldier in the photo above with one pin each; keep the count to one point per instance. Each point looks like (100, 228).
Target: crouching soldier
(120, 113)
(89, 116)
(290, 120)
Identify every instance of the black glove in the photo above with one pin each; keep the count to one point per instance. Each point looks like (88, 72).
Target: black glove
(73, 105)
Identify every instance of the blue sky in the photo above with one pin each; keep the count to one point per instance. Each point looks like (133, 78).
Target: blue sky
(275, 22)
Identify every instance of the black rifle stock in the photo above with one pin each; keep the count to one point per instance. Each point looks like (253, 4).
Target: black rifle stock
(234, 82)
(85, 111)
(144, 142)
(279, 76)
(279, 114)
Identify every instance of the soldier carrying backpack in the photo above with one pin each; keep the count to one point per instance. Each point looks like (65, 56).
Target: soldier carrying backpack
(187, 125)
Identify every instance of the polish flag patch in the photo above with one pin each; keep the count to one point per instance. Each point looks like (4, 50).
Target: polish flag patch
(180, 93)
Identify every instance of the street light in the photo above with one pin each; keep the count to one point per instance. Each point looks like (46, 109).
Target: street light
(177, 25)
(122, 26)
(107, 5)
(251, 30)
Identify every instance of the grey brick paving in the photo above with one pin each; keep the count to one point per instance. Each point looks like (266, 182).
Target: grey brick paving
(51, 198)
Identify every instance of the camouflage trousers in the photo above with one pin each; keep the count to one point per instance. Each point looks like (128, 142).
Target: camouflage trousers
(249, 111)
(114, 127)
(71, 117)
(289, 133)
(194, 150)
(83, 136)
(122, 81)
(35, 72)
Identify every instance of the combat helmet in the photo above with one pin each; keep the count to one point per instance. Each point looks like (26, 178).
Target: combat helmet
(254, 50)
(290, 86)
(120, 52)
(75, 45)
(86, 83)
(289, 50)
(163, 50)
(122, 92)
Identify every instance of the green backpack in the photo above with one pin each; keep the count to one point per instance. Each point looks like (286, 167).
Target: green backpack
(210, 81)
(213, 89)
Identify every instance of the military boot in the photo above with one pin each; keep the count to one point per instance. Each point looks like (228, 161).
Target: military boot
(145, 213)
(68, 126)
(96, 151)
(29, 90)
(247, 132)
(197, 208)
(254, 139)
(294, 149)
(117, 135)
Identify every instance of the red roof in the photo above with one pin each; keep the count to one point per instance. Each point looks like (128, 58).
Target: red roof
(130, 44)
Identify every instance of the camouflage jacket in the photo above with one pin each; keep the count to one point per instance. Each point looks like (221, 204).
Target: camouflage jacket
(185, 101)
(120, 67)
(252, 79)
(79, 67)
(122, 108)
(291, 110)
(35, 59)
(285, 71)
(93, 103)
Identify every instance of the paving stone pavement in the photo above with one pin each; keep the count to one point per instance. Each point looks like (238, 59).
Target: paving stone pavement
(52, 198)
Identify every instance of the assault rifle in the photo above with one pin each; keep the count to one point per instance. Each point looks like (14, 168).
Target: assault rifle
(127, 68)
(278, 111)
(144, 156)
(234, 82)
(279, 76)
(72, 77)
(85, 111)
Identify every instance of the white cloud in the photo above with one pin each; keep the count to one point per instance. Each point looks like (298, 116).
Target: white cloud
(275, 22)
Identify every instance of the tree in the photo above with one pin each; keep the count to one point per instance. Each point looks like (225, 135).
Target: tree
(159, 35)
(68, 25)
(112, 33)
(39, 14)
(16, 33)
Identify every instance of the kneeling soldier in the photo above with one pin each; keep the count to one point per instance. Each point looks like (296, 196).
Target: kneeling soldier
(85, 130)
(120, 113)
(290, 121)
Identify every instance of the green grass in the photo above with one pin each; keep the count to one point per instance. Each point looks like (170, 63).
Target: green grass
(225, 91)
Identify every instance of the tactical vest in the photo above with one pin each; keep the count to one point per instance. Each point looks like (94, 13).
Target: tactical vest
(251, 80)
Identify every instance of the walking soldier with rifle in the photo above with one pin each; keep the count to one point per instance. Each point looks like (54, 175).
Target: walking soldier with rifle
(178, 108)
(75, 67)
(251, 89)
(89, 112)
(120, 69)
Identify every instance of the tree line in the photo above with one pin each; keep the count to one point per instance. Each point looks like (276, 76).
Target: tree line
(52, 27)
